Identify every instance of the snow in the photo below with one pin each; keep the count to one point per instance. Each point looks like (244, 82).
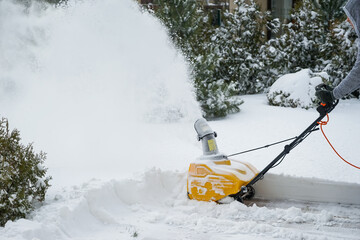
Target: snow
(89, 102)
(154, 206)
(115, 113)
(296, 89)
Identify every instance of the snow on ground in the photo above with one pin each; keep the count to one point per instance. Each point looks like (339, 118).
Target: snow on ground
(296, 89)
(117, 124)
(259, 124)
(152, 204)
(155, 206)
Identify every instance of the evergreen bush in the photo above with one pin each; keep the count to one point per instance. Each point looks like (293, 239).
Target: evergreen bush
(296, 89)
(234, 57)
(247, 26)
(303, 39)
(192, 30)
(317, 37)
(330, 11)
(342, 48)
(22, 175)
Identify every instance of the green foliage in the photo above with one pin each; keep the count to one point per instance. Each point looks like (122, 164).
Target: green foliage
(342, 52)
(192, 31)
(236, 45)
(215, 90)
(182, 19)
(338, 49)
(220, 99)
(303, 39)
(22, 176)
(296, 89)
(247, 26)
(318, 38)
(236, 58)
(226, 60)
(330, 11)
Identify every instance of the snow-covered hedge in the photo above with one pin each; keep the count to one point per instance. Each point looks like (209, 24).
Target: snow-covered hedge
(22, 176)
(296, 89)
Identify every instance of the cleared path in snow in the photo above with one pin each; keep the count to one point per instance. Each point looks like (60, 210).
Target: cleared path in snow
(155, 206)
(281, 187)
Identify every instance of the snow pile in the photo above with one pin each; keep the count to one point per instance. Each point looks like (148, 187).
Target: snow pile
(155, 206)
(295, 89)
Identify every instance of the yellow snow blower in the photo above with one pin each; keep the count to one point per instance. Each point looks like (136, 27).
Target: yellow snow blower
(214, 176)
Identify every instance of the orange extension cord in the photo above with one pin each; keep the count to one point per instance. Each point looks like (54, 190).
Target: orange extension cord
(323, 123)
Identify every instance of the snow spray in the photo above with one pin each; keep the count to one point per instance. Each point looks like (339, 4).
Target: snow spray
(92, 82)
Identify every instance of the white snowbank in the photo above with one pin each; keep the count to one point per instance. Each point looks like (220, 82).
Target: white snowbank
(295, 89)
(155, 206)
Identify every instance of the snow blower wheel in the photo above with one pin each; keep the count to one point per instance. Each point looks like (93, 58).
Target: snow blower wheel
(249, 194)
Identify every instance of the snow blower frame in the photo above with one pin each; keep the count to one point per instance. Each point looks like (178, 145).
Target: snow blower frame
(214, 176)
(247, 191)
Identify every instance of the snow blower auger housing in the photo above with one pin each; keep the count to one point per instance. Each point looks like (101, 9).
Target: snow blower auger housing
(213, 176)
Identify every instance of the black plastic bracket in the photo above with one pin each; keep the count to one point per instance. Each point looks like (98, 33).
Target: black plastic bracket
(287, 149)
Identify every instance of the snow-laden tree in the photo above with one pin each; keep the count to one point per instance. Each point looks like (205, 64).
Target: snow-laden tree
(273, 56)
(339, 49)
(181, 17)
(330, 11)
(192, 31)
(229, 60)
(342, 49)
(216, 87)
(22, 175)
(303, 38)
(317, 37)
(246, 35)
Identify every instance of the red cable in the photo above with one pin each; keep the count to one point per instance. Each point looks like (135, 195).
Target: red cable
(322, 123)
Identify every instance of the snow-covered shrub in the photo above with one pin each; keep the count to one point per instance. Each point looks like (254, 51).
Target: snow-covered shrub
(204, 46)
(317, 37)
(182, 18)
(245, 37)
(22, 175)
(227, 54)
(216, 86)
(330, 10)
(303, 39)
(296, 89)
(219, 99)
(342, 49)
(226, 59)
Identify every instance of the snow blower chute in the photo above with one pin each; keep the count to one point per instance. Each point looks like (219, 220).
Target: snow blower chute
(214, 176)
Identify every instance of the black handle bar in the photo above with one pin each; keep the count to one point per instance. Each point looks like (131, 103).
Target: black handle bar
(323, 110)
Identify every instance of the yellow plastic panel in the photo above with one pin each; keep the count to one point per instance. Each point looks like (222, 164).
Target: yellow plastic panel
(214, 180)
